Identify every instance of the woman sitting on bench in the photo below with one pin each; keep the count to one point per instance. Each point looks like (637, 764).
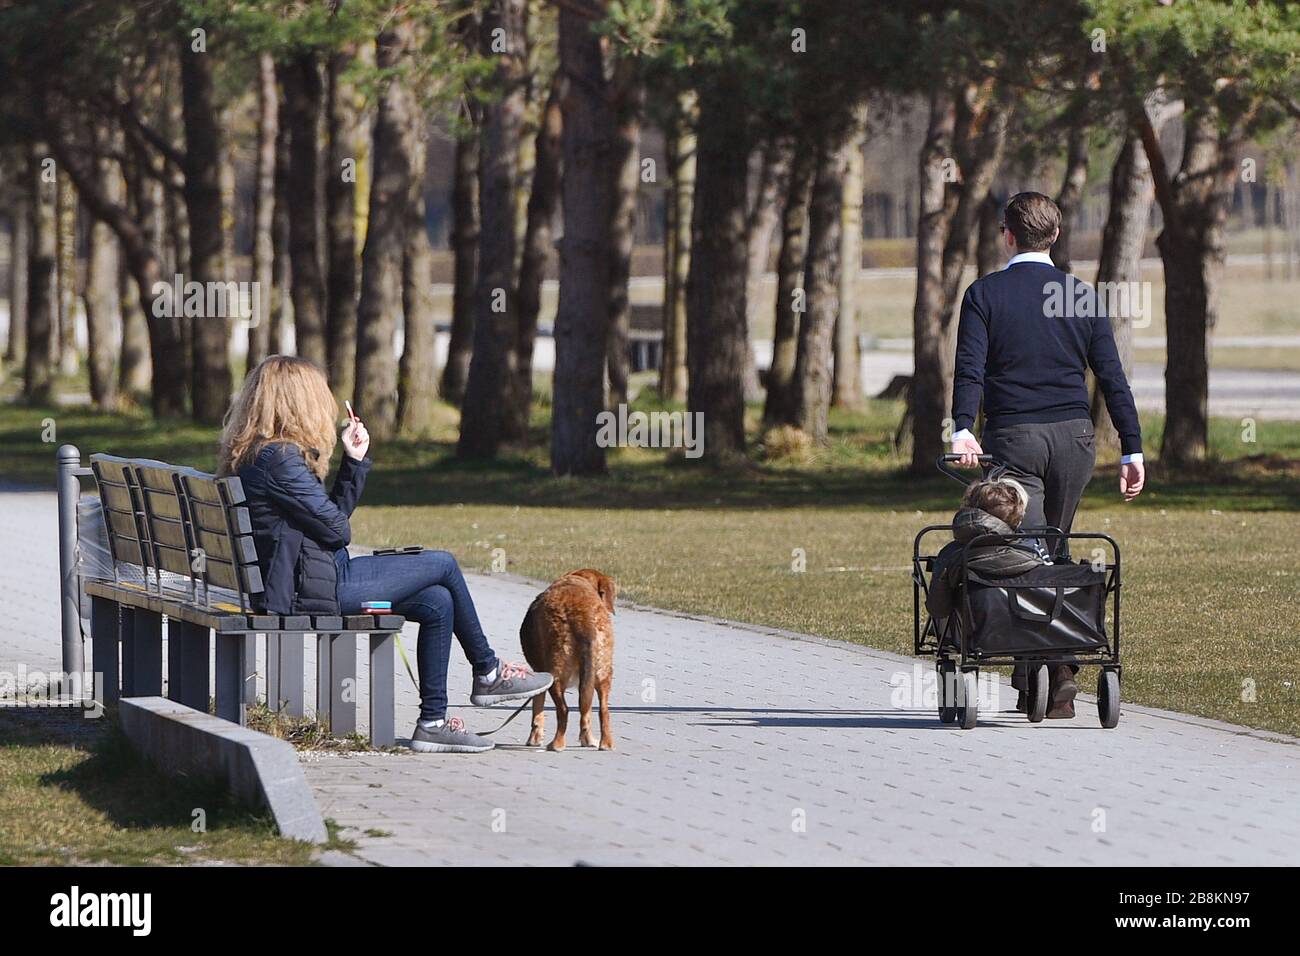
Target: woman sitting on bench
(278, 438)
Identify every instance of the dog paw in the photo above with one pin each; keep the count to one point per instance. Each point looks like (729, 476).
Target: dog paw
(607, 745)
(555, 746)
(587, 741)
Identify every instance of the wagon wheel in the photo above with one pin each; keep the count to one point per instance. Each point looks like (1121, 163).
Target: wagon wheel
(1037, 693)
(968, 705)
(947, 674)
(1108, 698)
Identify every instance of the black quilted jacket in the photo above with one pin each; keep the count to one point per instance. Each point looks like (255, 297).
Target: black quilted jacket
(297, 527)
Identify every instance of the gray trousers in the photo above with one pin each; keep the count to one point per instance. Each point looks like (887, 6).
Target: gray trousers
(1054, 461)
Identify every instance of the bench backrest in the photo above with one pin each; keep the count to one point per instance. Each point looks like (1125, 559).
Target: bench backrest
(188, 528)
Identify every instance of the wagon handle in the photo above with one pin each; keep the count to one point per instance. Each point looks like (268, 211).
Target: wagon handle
(943, 463)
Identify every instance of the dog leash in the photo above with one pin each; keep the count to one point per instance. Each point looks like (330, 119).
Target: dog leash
(401, 649)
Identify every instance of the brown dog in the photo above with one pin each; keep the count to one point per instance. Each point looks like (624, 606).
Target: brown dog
(568, 633)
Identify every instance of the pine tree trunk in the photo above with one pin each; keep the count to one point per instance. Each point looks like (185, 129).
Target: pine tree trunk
(19, 248)
(211, 391)
(259, 330)
(542, 201)
(304, 94)
(1076, 177)
(625, 166)
(582, 319)
(764, 216)
(344, 128)
(1122, 242)
(281, 301)
(677, 251)
(64, 339)
(847, 388)
(715, 295)
(417, 380)
(393, 152)
(102, 303)
(492, 366)
(813, 373)
(791, 297)
(464, 247)
(38, 372)
(989, 245)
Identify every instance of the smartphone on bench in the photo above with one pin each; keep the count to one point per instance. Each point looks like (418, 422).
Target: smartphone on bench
(409, 549)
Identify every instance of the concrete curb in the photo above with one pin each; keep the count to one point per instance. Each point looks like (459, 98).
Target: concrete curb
(256, 768)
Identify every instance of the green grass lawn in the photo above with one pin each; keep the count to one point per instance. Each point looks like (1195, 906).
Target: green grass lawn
(1212, 585)
(72, 792)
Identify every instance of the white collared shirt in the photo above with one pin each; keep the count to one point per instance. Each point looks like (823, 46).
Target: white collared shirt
(1045, 258)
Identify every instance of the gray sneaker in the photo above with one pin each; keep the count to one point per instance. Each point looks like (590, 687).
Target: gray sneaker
(450, 738)
(513, 682)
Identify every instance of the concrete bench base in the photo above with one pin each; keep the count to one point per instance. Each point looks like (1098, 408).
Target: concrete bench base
(257, 769)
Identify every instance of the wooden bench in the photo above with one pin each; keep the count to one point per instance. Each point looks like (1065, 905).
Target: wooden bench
(182, 549)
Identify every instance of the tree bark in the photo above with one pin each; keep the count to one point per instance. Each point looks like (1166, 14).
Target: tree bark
(717, 338)
(1195, 204)
(542, 201)
(464, 248)
(1076, 177)
(813, 372)
(210, 394)
(166, 344)
(64, 340)
(989, 246)
(38, 371)
(791, 297)
(344, 128)
(393, 150)
(1122, 242)
(259, 329)
(417, 381)
(928, 396)
(764, 216)
(492, 366)
(102, 302)
(625, 167)
(304, 94)
(847, 388)
(582, 319)
(677, 250)
(281, 301)
(19, 248)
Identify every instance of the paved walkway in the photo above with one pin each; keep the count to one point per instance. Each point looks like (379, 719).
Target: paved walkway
(740, 746)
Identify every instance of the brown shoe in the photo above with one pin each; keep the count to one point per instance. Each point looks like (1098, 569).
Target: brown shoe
(1061, 711)
(1061, 692)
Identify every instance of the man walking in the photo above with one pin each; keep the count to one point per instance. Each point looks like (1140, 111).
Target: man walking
(1025, 340)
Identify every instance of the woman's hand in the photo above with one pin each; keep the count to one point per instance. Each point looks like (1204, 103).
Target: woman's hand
(356, 440)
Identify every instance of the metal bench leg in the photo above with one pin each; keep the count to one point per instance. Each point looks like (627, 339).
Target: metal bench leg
(382, 703)
(273, 672)
(250, 669)
(336, 682)
(187, 664)
(141, 653)
(230, 677)
(104, 633)
(289, 690)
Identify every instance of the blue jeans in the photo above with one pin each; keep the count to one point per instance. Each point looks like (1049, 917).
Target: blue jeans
(428, 588)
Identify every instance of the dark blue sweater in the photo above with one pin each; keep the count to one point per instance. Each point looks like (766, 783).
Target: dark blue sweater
(1028, 360)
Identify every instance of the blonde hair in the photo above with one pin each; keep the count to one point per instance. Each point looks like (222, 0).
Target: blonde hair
(285, 399)
(1003, 498)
